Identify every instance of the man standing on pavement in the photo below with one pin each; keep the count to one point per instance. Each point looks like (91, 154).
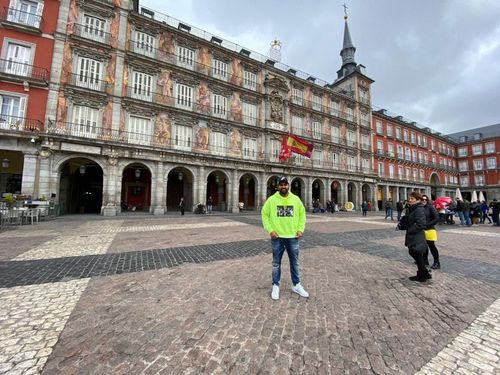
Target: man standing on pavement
(284, 218)
(388, 209)
(400, 207)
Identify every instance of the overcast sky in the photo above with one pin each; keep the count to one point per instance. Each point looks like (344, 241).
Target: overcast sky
(436, 62)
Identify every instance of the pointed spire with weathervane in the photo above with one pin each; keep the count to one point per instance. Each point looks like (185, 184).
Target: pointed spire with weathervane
(348, 50)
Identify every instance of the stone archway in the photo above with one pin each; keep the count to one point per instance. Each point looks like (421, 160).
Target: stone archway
(352, 193)
(180, 185)
(80, 187)
(136, 188)
(435, 185)
(217, 190)
(366, 193)
(297, 188)
(272, 185)
(335, 192)
(247, 193)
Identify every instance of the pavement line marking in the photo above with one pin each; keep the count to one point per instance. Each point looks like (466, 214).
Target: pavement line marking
(474, 232)
(32, 319)
(474, 350)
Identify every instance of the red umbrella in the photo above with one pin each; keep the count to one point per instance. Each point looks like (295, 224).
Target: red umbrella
(442, 202)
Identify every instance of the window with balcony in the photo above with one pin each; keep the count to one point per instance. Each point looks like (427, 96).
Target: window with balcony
(94, 28)
(298, 96)
(380, 169)
(398, 133)
(335, 160)
(433, 145)
(351, 163)
(183, 96)
(334, 107)
(349, 113)
(462, 151)
(316, 129)
(17, 59)
(317, 103)
(478, 164)
(365, 119)
(365, 142)
(351, 138)
(219, 108)
(249, 80)
(477, 149)
(414, 155)
(89, 73)
(400, 152)
(405, 136)
(297, 125)
(389, 130)
(422, 175)
(433, 159)
(492, 163)
(249, 113)
(365, 164)
(144, 44)
(275, 150)
(479, 180)
(185, 57)
(391, 170)
(420, 157)
(380, 147)
(12, 111)
(218, 143)
(139, 130)
(415, 174)
(335, 134)
(250, 148)
(85, 122)
(462, 166)
(490, 147)
(400, 172)
(318, 158)
(426, 157)
(142, 86)
(464, 180)
(298, 159)
(413, 138)
(219, 69)
(26, 12)
(390, 149)
(182, 137)
(408, 173)
(408, 154)
(378, 127)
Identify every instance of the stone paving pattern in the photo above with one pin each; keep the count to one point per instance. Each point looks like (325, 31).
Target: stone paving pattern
(196, 298)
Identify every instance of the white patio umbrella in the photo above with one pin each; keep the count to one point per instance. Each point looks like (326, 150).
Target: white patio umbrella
(458, 194)
(474, 196)
(481, 197)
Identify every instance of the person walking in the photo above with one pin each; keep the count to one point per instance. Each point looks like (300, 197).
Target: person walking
(431, 219)
(495, 211)
(415, 236)
(400, 207)
(364, 207)
(460, 211)
(182, 206)
(467, 208)
(284, 218)
(388, 209)
(484, 212)
(210, 203)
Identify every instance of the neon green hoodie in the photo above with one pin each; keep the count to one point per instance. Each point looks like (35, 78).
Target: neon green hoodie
(284, 215)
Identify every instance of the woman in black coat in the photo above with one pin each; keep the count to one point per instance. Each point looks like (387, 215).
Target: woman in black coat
(431, 218)
(415, 236)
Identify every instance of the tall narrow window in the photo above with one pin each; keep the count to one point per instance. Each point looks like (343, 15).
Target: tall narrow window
(249, 80)
(218, 143)
(89, 73)
(317, 103)
(351, 138)
(142, 86)
(249, 113)
(25, 12)
(182, 136)
(298, 96)
(185, 57)
(335, 134)
(316, 128)
(12, 111)
(183, 96)
(219, 69)
(94, 28)
(144, 44)
(318, 158)
(85, 122)
(220, 106)
(139, 130)
(250, 148)
(275, 150)
(297, 125)
(18, 60)
(334, 107)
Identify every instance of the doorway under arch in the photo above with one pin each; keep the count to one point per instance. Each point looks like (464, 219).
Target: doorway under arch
(297, 188)
(435, 184)
(366, 193)
(335, 192)
(247, 191)
(217, 189)
(351, 193)
(272, 185)
(136, 188)
(180, 185)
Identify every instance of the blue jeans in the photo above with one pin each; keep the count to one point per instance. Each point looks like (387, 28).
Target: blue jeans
(388, 213)
(467, 218)
(461, 216)
(399, 215)
(291, 245)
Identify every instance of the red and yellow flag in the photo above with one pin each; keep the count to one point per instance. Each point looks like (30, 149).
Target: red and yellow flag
(299, 145)
(285, 150)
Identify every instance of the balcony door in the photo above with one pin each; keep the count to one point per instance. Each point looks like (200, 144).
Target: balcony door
(18, 60)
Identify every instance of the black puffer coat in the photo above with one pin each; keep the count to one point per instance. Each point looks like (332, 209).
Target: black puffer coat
(431, 216)
(415, 236)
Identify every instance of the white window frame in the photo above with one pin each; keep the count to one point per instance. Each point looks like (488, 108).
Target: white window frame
(218, 143)
(391, 170)
(182, 138)
(335, 160)
(464, 180)
(183, 96)
(85, 121)
(219, 106)
(380, 147)
(389, 130)
(378, 127)
(381, 169)
(477, 149)
(219, 69)
(139, 130)
(390, 149)
(18, 56)
(400, 172)
(297, 125)
(462, 151)
(249, 113)
(335, 134)
(144, 43)
(318, 158)
(349, 113)
(18, 12)
(489, 147)
(298, 96)
(250, 148)
(316, 129)
(94, 28)
(398, 132)
(478, 164)
(334, 107)
(12, 114)
(491, 163)
(317, 102)
(275, 150)
(479, 180)
(249, 80)
(185, 57)
(142, 86)
(463, 165)
(401, 153)
(89, 73)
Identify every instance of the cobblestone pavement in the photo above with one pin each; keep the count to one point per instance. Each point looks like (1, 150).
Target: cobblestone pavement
(144, 295)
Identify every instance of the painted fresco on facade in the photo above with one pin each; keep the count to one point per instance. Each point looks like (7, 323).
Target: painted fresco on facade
(201, 133)
(236, 72)
(62, 111)
(235, 142)
(72, 18)
(203, 98)
(162, 129)
(166, 46)
(114, 30)
(204, 60)
(236, 109)
(165, 86)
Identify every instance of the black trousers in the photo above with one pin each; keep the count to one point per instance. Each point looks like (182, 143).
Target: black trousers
(419, 259)
(431, 245)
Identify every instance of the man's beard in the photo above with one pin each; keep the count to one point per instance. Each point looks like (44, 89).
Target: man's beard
(284, 191)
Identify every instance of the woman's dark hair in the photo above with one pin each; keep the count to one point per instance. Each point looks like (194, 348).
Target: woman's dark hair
(416, 195)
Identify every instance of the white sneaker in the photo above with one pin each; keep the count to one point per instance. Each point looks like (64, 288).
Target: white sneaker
(299, 289)
(275, 294)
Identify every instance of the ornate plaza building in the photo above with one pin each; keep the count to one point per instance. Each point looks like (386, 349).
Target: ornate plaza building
(109, 106)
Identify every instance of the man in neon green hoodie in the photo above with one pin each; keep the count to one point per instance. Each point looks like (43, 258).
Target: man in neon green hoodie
(284, 218)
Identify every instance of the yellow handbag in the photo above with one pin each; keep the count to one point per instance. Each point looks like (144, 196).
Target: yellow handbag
(431, 235)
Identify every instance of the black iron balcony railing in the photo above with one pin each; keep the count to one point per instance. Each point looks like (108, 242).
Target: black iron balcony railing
(92, 32)
(16, 123)
(23, 70)
(21, 17)
(90, 82)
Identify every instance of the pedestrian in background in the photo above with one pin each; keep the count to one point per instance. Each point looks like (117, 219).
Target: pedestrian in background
(415, 236)
(400, 207)
(209, 204)
(182, 206)
(388, 209)
(284, 218)
(431, 219)
(364, 207)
